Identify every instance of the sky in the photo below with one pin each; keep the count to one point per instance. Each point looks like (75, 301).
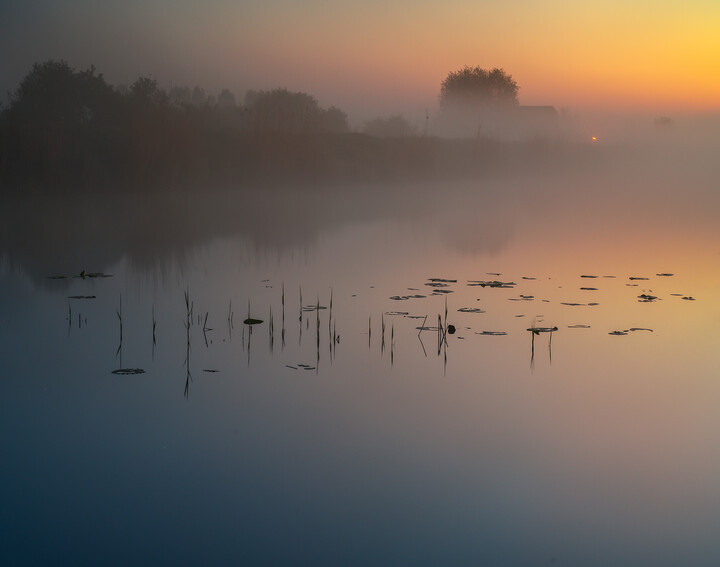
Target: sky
(379, 57)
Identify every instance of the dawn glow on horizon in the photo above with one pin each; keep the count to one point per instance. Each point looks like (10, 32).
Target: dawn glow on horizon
(379, 57)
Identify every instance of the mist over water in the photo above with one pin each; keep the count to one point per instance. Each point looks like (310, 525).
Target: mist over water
(232, 337)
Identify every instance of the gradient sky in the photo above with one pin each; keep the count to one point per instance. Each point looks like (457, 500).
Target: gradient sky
(381, 56)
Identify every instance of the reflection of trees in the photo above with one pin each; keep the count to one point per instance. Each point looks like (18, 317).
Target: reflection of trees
(65, 234)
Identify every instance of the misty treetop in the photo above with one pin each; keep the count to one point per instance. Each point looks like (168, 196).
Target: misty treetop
(474, 86)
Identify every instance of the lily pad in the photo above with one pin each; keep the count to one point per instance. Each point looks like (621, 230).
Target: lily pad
(493, 283)
(251, 321)
(128, 371)
(538, 330)
(491, 333)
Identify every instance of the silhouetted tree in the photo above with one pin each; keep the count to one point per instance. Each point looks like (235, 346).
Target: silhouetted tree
(199, 98)
(475, 87)
(334, 120)
(226, 99)
(145, 91)
(180, 96)
(283, 111)
(55, 116)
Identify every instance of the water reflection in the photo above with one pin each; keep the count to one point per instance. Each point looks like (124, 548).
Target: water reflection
(353, 407)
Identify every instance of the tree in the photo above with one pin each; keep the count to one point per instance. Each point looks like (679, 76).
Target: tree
(474, 87)
(226, 99)
(334, 120)
(145, 92)
(288, 112)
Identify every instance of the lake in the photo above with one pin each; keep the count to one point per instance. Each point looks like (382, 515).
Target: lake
(568, 417)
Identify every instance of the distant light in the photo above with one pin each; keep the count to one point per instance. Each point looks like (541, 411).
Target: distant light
(594, 139)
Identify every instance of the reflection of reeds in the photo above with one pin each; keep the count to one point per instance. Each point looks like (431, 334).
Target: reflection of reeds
(317, 321)
(118, 311)
(382, 332)
(282, 332)
(392, 344)
(188, 323)
(330, 312)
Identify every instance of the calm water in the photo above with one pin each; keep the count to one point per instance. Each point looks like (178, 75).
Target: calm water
(323, 440)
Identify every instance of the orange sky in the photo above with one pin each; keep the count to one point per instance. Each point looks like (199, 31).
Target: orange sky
(374, 56)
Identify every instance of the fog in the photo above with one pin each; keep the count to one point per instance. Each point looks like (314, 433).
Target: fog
(103, 170)
(275, 293)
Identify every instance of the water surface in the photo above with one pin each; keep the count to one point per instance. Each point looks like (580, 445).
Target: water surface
(328, 441)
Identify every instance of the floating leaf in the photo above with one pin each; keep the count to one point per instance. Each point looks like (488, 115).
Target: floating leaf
(538, 330)
(493, 283)
(251, 321)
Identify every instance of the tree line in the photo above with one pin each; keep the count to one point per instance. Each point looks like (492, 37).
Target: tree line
(63, 124)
